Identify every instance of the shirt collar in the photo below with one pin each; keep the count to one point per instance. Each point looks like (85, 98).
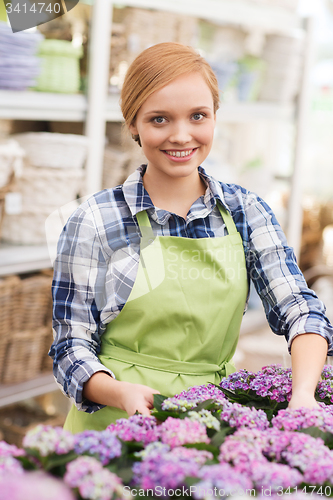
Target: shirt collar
(138, 199)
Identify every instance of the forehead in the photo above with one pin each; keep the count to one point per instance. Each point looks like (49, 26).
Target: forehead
(189, 90)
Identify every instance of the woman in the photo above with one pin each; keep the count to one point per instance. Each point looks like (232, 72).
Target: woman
(151, 278)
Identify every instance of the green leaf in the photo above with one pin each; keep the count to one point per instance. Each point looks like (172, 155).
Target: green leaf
(220, 436)
(163, 415)
(315, 432)
(158, 400)
(55, 461)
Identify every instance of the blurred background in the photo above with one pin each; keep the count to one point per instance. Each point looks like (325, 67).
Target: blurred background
(62, 138)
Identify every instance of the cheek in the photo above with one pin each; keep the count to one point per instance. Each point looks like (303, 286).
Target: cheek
(206, 134)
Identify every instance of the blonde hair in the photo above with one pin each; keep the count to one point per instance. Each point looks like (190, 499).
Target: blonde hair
(155, 68)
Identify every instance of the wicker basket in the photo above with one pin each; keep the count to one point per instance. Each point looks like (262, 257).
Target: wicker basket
(22, 355)
(16, 421)
(53, 150)
(24, 303)
(25, 317)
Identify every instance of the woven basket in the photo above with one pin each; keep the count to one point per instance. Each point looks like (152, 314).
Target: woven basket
(53, 150)
(48, 187)
(22, 355)
(16, 421)
(24, 303)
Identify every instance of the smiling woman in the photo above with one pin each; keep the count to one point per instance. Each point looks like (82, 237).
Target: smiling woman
(151, 279)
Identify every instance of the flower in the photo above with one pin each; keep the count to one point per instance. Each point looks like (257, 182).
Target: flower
(92, 480)
(9, 465)
(242, 416)
(222, 476)
(46, 440)
(302, 418)
(33, 486)
(136, 428)
(206, 418)
(10, 450)
(301, 451)
(272, 382)
(186, 400)
(167, 468)
(176, 432)
(104, 444)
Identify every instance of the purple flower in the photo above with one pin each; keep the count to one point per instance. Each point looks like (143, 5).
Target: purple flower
(302, 418)
(47, 440)
(92, 480)
(10, 450)
(273, 382)
(104, 444)
(136, 428)
(9, 465)
(176, 432)
(165, 468)
(224, 478)
(190, 398)
(237, 415)
(33, 486)
(301, 451)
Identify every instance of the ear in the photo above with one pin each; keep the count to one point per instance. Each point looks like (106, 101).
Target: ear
(133, 129)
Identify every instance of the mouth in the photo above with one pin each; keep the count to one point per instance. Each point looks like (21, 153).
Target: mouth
(179, 154)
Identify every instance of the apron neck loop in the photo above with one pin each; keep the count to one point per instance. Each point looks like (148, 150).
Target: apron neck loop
(146, 229)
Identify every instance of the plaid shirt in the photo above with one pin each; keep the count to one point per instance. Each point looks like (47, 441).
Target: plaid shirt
(98, 257)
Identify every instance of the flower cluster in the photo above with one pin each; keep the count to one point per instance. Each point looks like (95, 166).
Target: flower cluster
(186, 400)
(103, 444)
(136, 428)
(237, 415)
(167, 468)
(176, 432)
(302, 418)
(272, 382)
(325, 386)
(34, 486)
(203, 439)
(226, 479)
(92, 480)
(47, 440)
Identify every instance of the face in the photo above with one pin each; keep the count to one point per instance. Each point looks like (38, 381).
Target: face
(176, 127)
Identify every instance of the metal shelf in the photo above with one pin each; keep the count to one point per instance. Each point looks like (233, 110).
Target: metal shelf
(16, 259)
(14, 393)
(63, 107)
(238, 12)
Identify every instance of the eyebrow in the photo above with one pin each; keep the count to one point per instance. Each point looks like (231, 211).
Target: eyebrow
(162, 112)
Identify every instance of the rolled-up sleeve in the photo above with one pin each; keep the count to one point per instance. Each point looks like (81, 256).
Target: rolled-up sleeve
(291, 307)
(78, 291)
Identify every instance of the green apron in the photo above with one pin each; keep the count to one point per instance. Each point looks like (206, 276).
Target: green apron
(180, 325)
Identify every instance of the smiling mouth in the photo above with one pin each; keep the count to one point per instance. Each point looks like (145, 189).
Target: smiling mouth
(179, 153)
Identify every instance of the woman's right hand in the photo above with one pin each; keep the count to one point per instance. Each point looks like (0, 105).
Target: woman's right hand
(103, 389)
(136, 397)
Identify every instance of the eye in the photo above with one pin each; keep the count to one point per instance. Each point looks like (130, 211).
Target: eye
(159, 120)
(198, 117)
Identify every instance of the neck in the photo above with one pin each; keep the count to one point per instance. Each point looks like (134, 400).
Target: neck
(175, 194)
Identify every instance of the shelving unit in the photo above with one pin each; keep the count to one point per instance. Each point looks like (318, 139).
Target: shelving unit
(97, 107)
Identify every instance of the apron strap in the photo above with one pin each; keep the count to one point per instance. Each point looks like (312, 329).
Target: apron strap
(145, 225)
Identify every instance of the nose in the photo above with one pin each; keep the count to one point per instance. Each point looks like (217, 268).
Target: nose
(180, 133)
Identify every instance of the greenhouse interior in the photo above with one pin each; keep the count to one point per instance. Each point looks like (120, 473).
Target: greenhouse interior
(72, 181)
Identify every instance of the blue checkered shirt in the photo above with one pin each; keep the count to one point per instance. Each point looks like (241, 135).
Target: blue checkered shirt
(98, 257)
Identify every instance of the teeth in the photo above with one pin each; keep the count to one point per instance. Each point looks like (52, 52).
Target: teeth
(180, 153)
